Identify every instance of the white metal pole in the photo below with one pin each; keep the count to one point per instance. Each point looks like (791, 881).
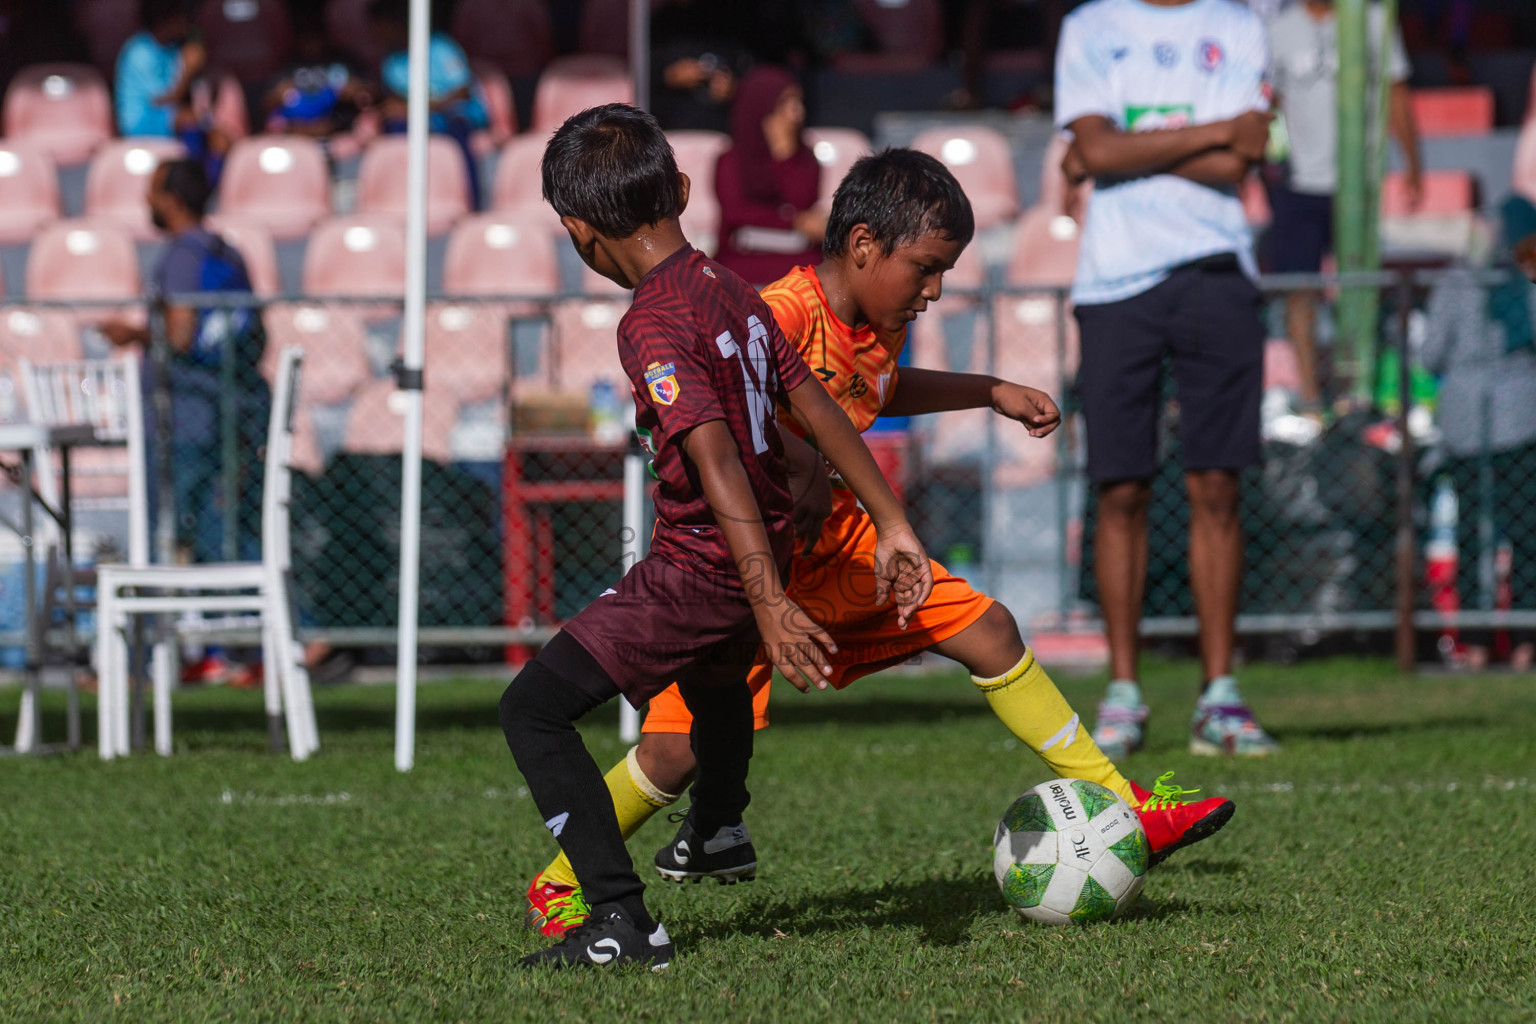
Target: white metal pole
(409, 380)
(640, 50)
(634, 550)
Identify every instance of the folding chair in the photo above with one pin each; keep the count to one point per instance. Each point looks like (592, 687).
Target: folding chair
(260, 589)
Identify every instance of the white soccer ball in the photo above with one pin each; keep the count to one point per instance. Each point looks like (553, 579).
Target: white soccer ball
(1070, 851)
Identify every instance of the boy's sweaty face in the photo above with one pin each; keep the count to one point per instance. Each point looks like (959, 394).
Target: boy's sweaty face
(892, 289)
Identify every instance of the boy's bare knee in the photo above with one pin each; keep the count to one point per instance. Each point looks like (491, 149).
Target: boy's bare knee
(667, 760)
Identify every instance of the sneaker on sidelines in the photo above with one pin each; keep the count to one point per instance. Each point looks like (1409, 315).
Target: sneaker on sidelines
(554, 909)
(727, 855)
(1122, 723)
(1223, 724)
(606, 939)
(1172, 821)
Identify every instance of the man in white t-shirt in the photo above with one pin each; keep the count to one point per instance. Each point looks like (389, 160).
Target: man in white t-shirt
(1304, 70)
(1165, 100)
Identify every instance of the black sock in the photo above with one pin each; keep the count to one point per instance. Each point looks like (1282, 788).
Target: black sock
(539, 711)
(722, 745)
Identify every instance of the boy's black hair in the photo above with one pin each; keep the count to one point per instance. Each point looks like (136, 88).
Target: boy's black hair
(188, 182)
(612, 167)
(902, 195)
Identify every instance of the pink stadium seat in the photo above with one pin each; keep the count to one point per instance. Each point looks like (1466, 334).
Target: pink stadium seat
(254, 243)
(468, 350)
(836, 149)
(572, 84)
(697, 153)
(500, 109)
(280, 180)
(356, 256)
(40, 335)
(116, 184)
(1445, 192)
(376, 421)
(105, 25)
(518, 185)
(63, 109)
(1044, 248)
(334, 340)
(604, 28)
(910, 28)
(381, 181)
(228, 110)
(29, 192)
(514, 35)
(502, 253)
(585, 348)
(247, 38)
(346, 26)
(1460, 111)
(982, 161)
(78, 259)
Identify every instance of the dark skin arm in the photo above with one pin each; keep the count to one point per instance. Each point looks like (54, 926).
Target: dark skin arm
(1400, 121)
(795, 644)
(810, 485)
(902, 569)
(921, 391)
(180, 323)
(1219, 153)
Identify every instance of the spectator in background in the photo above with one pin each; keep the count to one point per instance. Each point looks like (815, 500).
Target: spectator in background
(699, 51)
(1481, 342)
(199, 341)
(457, 107)
(155, 72)
(768, 181)
(319, 92)
(1165, 102)
(1304, 70)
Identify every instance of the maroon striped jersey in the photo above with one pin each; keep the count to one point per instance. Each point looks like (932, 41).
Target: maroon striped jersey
(699, 344)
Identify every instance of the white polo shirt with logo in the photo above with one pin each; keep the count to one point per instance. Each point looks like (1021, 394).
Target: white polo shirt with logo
(1144, 66)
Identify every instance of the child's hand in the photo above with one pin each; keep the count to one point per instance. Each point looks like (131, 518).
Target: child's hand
(1033, 408)
(902, 572)
(797, 647)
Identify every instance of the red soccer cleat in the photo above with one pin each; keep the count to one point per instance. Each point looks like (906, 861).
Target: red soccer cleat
(1173, 822)
(554, 909)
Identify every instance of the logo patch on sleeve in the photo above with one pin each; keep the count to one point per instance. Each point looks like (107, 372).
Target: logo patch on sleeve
(661, 381)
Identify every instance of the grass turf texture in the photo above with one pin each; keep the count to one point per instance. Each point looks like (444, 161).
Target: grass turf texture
(1380, 868)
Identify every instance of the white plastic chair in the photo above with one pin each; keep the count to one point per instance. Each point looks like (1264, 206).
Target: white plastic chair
(261, 588)
(103, 394)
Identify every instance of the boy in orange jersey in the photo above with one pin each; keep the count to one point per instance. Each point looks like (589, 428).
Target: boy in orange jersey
(899, 220)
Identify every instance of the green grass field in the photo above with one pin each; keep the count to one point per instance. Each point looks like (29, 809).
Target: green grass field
(1383, 867)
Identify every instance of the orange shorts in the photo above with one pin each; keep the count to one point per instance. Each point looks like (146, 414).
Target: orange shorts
(836, 587)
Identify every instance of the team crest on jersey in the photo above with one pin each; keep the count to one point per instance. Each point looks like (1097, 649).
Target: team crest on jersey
(708, 271)
(1210, 55)
(858, 386)
(661, 381)
(1166, 53)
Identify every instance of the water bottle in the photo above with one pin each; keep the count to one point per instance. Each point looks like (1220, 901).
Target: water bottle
(1440, 557)
(606, 415)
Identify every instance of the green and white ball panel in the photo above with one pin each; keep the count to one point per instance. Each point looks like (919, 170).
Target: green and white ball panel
(1070, 850)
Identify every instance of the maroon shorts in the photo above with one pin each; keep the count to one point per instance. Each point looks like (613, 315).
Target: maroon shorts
(663, 624)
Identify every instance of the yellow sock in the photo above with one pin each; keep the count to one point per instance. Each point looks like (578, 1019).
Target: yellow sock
(1035, 711)
(635, 799)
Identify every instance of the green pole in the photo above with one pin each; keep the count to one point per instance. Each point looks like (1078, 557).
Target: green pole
(1352, 219)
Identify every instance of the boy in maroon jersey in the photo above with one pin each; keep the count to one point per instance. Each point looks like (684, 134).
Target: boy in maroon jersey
(709, 368)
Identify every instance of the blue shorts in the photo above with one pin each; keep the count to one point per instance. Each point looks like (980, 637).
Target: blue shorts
(1301, 233)
(1204, 321)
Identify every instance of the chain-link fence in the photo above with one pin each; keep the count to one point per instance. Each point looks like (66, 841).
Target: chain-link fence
(526, 425)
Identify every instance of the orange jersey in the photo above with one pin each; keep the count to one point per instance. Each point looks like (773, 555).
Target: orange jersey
(857, 366)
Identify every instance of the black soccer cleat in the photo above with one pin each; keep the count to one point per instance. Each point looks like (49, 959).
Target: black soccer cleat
(727, 855)
(607, 939)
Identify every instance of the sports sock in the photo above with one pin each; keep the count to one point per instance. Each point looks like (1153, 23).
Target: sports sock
(1035, 711)
(635, 800)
